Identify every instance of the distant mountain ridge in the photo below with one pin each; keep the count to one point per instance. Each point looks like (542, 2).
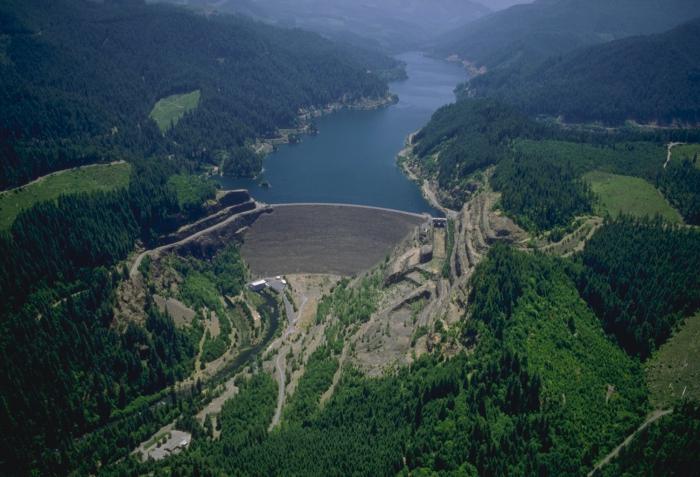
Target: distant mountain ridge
(653, 78)
(396, 25)
(529, 33)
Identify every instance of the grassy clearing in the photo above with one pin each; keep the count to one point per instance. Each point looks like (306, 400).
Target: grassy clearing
(687, 151)
(676, 366)
(168, 111)
(629, 195)
(192, 191)
(100, 177)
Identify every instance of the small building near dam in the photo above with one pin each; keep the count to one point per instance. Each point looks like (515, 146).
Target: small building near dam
(439, 222)
(258, 285)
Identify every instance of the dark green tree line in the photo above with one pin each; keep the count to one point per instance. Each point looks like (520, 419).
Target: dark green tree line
(640, 277)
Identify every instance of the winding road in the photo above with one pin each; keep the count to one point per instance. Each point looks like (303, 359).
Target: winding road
(280, 363)
(135, 266)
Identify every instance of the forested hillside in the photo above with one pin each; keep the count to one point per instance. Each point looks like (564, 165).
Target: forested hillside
(668, 447)
(539, 166)
(641, 280)
(516, 339)
(466, 137)
(78, 80)
(529, 398)
(523, 35)
(650, 79)
(67, 369)
(539, 387)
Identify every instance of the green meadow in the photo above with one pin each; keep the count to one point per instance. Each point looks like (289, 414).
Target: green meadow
(168, 111)
(687, 151)
(98, 177)
(629, 195)
(674, 370)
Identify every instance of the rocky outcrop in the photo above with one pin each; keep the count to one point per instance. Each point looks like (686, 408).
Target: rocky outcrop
(206, 245)
(229, 198)
(209, 220)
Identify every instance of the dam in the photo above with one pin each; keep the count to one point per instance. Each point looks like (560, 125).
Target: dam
(335, 239)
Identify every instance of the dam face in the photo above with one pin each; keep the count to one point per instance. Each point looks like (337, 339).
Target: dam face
(329, 239)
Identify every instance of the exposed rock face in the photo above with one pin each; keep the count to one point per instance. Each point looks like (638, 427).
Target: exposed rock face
(201, 239)
(417, 302)
(206, 245)
(231, 203)
(234, 197)
(130, 303)
(180, 313)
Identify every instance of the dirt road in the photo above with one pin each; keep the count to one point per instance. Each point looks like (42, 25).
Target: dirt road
(135, 266)
(55, 173)
(280, 364)
(670, 150)
(651, 418)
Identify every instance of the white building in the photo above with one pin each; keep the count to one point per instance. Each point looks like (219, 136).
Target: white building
(258, 285)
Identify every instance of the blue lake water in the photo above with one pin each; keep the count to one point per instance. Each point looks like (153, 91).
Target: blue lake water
(353, 158)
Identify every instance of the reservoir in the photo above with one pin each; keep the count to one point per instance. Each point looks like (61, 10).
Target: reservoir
(353, 158)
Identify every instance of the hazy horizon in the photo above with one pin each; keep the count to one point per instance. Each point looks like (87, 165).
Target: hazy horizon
(392, 24)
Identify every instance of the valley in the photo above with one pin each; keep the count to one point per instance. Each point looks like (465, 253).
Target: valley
(309, 238)
(352, 158)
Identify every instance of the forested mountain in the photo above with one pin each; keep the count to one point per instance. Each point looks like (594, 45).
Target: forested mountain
(523, 359)
(542, 389)
(539, 165)
(648, 79)
(67, 369)
(680, 183)
(79, 78)
(523, 35)
(498, 410)
(78, 81)
(641, 280)
(397, 25)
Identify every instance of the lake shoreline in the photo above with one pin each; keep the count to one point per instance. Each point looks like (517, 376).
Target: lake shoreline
(288, 136)
(404, 159)
(354, 158)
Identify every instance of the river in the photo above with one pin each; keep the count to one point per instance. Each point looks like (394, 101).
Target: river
(353, 158)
